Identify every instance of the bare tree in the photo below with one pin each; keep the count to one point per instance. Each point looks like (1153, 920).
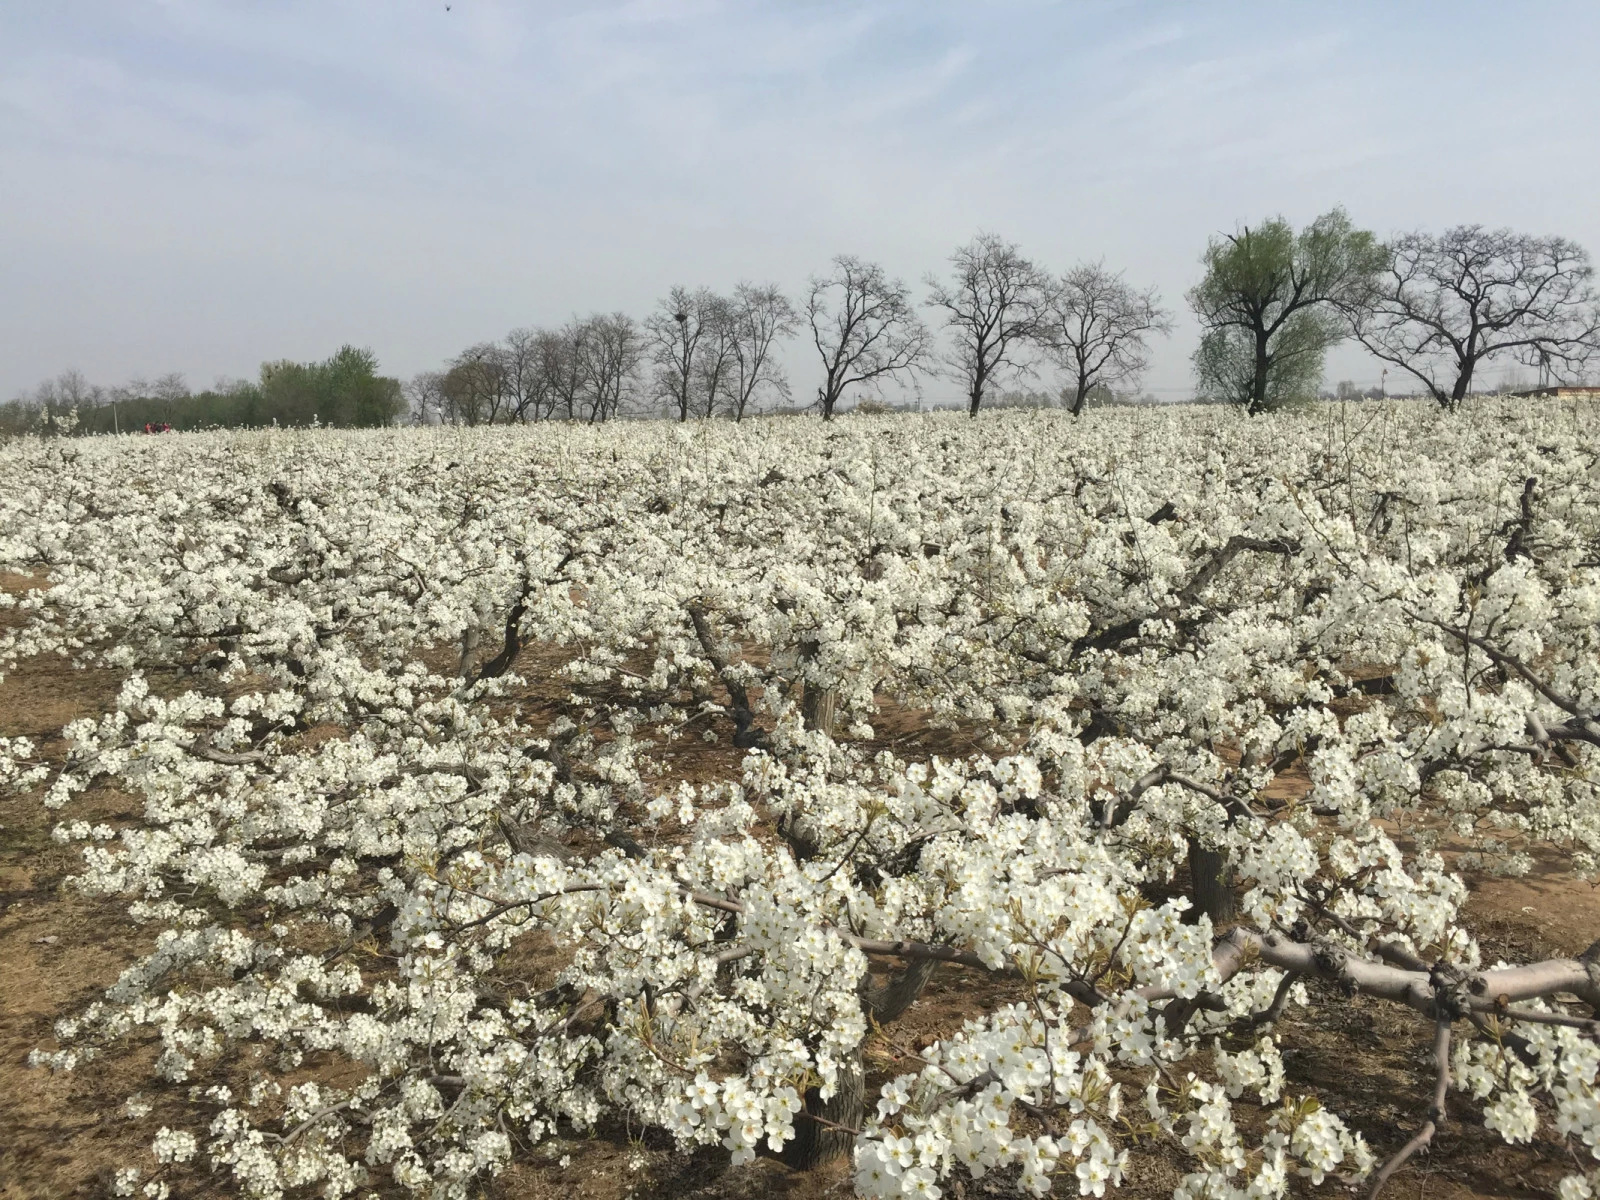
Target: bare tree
(1447, 304)
(865, 329)
(674, 332)
(994, 304)
(73, 390)
(475, 386)
(170, 390)
(1097, 327)
(563, 368)
(137, 388)
(170, 387)
(527, 385)
(458, 401)
(761, 314)
(609, 351)
(64, 399)
(716, 358)
(425, 397)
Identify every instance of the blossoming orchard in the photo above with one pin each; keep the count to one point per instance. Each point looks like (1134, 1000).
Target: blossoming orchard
(1233, 711)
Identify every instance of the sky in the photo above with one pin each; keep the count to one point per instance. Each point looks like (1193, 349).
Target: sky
(201, 187)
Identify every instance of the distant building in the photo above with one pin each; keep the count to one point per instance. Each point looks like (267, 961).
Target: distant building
(1562, 391)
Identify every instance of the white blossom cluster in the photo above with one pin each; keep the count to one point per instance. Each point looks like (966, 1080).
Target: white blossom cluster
(362, 837)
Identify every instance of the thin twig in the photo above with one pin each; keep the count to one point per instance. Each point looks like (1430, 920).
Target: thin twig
(1436, 1114)
(1274, 1010)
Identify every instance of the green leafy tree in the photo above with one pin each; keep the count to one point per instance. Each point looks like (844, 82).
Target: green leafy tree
(1273, 301)
(1231, 370)
(344, 390)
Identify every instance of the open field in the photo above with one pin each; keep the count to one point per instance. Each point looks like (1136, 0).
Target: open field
(668, 810)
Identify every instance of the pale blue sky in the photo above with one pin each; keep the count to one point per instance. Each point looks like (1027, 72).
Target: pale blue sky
(200, 186)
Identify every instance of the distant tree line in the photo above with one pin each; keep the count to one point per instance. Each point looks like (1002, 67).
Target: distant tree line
(343, 390)
(704, 354)
(1271, 302)
(699, 354)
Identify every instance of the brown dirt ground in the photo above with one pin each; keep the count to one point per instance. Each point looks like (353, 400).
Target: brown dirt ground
(61, 1135)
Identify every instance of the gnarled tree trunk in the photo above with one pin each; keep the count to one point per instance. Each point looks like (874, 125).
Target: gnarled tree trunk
(818, 705)
(1211, 885)
(818, 1141)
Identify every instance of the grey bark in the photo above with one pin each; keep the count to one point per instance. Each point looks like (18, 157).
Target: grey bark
(819, 707)
(819, 1141)
(1211, 885)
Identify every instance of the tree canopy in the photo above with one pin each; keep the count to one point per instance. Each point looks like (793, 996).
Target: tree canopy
(1448, 303)
(1271, 303)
